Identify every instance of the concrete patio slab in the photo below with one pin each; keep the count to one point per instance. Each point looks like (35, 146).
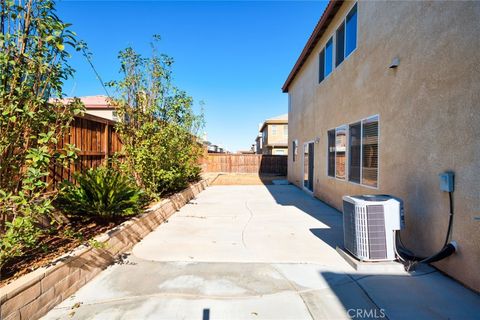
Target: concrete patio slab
(258, 252)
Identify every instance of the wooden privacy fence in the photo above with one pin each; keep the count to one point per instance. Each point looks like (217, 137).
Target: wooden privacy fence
(246, 163)
(97, 140)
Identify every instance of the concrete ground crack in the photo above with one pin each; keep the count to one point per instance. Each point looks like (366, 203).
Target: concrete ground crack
(299, 292)
(246, 224)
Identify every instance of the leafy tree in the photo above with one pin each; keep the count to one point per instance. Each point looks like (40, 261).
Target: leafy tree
(33, 66)
(158, 127)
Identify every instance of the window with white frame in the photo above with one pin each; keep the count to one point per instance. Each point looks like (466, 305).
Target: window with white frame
(345, 43)
(331, 153)
(340, 151)
(355, 151)
(361, 150)
(370, 151)
(274, 130)
(326, 60)
(351, 31)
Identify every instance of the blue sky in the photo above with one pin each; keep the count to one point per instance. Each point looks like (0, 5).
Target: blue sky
(234, 56)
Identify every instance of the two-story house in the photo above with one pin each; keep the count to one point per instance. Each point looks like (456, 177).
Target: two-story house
(273, 137)
(383, 98)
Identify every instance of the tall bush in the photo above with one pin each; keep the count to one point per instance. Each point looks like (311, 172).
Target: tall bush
(158, 127)
(33, 66)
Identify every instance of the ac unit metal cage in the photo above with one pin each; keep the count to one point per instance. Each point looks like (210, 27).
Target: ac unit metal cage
(369, 222)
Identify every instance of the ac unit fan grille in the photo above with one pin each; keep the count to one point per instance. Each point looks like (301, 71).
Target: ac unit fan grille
(377, 245)
(350, 234)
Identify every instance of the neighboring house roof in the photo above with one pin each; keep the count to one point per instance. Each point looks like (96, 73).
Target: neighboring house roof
(281, 119)
(96, 102)
(93, 102)
(317, 33)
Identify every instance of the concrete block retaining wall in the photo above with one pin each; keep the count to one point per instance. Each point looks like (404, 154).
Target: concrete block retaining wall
(34, 294)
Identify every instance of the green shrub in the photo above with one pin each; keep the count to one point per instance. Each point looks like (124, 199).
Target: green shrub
(101, 192)
(21, 234)
(160, 145)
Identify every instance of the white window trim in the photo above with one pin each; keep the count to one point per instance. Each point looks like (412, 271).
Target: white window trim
(345, 38)
(334, 40)
(347, 154)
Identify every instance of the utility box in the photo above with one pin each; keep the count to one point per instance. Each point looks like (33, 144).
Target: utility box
(446, 181)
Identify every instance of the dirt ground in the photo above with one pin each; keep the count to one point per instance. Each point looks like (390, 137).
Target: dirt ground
(225, 179)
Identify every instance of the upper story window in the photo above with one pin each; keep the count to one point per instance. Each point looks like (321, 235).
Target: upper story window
(264, 136)
(351, 31)
(326, 60)
(274, 130)
(285, 130)
(344, 43)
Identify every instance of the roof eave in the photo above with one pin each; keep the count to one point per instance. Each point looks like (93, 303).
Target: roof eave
(317, 33)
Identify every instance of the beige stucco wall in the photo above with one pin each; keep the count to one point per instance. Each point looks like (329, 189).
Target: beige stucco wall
(107, 114)
(281, 135)
(429, 110)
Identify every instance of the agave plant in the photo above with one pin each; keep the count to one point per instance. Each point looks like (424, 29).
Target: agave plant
(102, 192)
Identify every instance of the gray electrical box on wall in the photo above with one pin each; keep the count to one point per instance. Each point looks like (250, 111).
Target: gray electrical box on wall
(446, 181)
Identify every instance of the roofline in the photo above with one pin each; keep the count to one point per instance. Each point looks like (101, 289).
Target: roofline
(99, 107)
(327, 16)
(266, 122)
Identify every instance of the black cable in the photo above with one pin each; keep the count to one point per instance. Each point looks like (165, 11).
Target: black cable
(89, 60)
(450, 220)
(446, 250)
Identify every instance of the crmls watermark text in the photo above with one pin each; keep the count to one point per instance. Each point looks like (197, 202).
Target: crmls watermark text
(366, 313)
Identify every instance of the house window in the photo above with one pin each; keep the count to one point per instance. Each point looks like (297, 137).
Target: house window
(274, 130)
(279, 152)
(340, 151)
(363, 152)
(370, 151)
(285, 130)
(264, 136)
(294, 149)
(351, 31)
(355, 146)
(329, 57)
(331, 153)
(340, 45)
(326, 60)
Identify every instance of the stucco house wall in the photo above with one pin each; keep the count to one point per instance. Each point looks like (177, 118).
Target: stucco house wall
(103, 113)
(429, 111)
(276, 140)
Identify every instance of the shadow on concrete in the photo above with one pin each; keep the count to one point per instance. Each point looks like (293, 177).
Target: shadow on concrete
(422, 295)
(291, 195)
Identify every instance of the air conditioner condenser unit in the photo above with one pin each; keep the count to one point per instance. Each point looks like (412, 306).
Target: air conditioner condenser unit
(369, 222)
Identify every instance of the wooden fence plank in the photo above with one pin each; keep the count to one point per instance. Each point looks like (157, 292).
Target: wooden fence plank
(97, 140)
(245, 163)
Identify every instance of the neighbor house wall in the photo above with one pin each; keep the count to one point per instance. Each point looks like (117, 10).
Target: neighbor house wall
(277, 141)
(429, 109)
(281, 135)
(107, 114)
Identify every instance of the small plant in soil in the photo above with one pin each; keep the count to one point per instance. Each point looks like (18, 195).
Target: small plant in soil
(103, 193)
